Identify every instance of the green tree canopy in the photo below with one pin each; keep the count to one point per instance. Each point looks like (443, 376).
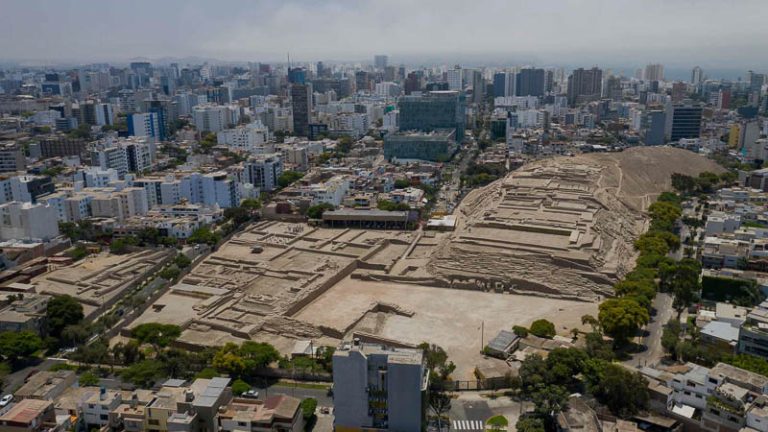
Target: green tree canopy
(316, 211)
(624, 392)
(288, 177)
(61, 312)
(543, 328)
(621, 318)
(18, 345)
(156, 334)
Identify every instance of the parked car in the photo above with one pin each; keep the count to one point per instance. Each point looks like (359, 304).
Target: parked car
(6, 400)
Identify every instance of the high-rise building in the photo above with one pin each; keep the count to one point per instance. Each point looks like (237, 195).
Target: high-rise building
(653, 127)
(613, 89)
(320, 69)
(380, 61)
(11, 157)
(530, 82)
(297, 76)
(697, 76)
(301, 103)
(213, 118)
(412, 83)
(455, 78)
(61, 145)
(504, 84)
(144, 125)
(679, 90)
(362, 81)
(379, 387)
(584, 85)
(686, 122)
(653, 72)
(478, 87)
(96, 114)
(434, 110)
(262, 171)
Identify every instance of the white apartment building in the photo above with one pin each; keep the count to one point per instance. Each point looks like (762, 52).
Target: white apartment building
(215, 118)
(28, 221)
(252, 137)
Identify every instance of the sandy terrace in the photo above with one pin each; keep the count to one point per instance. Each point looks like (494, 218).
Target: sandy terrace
(449, 318)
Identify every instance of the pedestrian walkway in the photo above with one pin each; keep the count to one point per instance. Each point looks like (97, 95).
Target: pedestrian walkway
(468, 425)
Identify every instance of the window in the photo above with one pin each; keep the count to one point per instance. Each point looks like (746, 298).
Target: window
(698, 396)
(687, 393)
(713, 381)
(104, 417)
(153, 422)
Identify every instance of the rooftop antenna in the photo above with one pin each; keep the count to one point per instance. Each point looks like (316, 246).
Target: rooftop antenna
(289, 60)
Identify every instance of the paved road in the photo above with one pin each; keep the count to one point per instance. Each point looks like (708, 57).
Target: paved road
(15, 380)
(654, 352)
(469, 415)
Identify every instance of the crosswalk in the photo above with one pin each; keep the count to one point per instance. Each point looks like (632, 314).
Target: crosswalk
(468, 425)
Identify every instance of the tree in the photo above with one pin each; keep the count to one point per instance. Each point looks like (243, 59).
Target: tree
(170, 273)
(387, 205)
(497, 423)
(288, 177)
(520, 331)
(670, 337)
(227, 359)
(316, 211)
(533, 373)
(683, 183)
(437, 362)
(621, 318)
(75, 334)
(204, 235)
(239, 387)
(61, 312)
(564, 364)
(258, 354)
(550, 400)
(144, 373)
(160, 335)
(440, 402)
(624, 392)
(238, 215)
(597, 347)
(543, 328)
(682, 279)
(182, 261)
(88, 379)
(119, 246)
(402, 184)
(530, 423)
(17, 345)
(251, 204)
(308, 407)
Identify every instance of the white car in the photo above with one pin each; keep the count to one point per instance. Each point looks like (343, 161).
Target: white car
(6, 400)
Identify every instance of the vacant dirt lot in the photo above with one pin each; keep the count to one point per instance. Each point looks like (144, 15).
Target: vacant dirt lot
(448, 317)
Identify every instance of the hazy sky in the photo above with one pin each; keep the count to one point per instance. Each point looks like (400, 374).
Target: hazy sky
(716, 33)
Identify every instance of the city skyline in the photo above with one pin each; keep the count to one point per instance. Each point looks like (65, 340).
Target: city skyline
(677, 33)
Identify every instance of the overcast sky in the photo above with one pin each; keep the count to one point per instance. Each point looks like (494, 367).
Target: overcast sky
(715, 33)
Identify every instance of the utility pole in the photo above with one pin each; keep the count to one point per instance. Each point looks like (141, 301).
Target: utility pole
(482, 336)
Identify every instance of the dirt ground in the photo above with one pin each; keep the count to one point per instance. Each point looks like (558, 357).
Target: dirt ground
(450, 318)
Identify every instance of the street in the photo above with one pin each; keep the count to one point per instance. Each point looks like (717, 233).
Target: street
(654, 352)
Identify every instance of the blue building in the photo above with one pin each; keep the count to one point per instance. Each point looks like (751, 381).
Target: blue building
(297, 76)
(435, 110)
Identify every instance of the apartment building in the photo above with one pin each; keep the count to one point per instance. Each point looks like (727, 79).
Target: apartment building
(380, 387)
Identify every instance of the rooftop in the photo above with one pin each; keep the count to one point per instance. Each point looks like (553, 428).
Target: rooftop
(26, 411)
